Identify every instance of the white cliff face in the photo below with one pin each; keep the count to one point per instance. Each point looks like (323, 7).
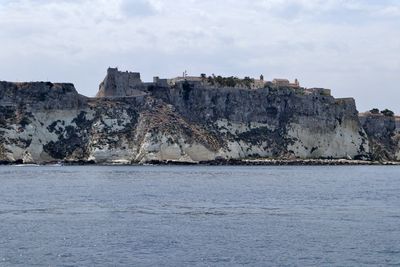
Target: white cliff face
(27, 142)
(238, 149)
(115, 137)
(343, 142)
(106, 141)
(105, 138)
(225, 126)
(107, 154)
(160, 148)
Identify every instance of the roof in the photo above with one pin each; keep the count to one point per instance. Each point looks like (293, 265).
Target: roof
(280, 80)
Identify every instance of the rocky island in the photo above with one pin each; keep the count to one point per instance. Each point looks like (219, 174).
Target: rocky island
(189, 120)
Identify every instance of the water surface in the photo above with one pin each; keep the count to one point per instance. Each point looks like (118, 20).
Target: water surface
(200, 216)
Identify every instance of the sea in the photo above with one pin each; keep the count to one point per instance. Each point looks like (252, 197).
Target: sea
(200, 216)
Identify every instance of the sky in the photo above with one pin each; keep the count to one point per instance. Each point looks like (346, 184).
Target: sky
(349, 46)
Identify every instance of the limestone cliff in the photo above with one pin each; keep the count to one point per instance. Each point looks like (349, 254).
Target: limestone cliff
(182, 119)
(383, 134)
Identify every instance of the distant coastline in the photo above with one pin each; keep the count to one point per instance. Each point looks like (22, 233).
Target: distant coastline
(206, 119)
(248, 162)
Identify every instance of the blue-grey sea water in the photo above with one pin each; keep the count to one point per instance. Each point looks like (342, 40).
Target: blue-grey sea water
(200, 216)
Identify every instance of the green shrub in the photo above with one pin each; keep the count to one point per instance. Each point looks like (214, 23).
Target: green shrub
(387, 113)
(374, 111)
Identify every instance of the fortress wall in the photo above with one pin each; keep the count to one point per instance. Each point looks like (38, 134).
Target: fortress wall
(119, 84)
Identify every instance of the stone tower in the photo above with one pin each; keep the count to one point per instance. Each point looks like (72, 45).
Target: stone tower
(119, 84)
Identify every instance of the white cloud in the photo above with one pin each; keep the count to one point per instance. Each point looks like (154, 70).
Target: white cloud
(350, 46)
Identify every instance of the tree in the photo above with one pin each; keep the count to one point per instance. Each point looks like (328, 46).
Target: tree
(387, 113)
(374, 111)
(230, 81)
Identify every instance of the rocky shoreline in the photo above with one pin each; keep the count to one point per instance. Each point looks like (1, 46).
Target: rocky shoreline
(232, 162)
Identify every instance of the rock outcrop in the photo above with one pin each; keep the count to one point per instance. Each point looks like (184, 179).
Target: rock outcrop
(383, 134)
(41, 96)
(181, 120)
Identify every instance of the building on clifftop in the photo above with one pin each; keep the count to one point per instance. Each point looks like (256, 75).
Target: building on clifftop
(286, 83)
(119, 84)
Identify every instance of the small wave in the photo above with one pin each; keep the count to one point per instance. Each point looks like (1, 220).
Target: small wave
(27, 165)
(26, 211)
(203, 213)
(389, 251)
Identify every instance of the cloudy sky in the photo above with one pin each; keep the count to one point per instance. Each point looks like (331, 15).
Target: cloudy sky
(350, 46)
